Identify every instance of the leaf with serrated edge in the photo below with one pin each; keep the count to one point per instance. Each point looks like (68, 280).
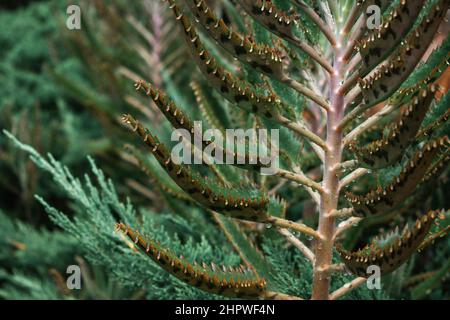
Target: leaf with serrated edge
(386, 79)
(383, 201)
(388, 150)
(391, 256)
(235, 282)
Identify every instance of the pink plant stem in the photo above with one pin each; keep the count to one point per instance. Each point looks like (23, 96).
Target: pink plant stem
(329, 198)
(156, 44)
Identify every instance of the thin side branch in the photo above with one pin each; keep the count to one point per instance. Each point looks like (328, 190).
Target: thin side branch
(349, 83)
(301, 130)
(329, 17)
(319, 151)
(352, 177)
(354, 63)
(300, 227)
(275, 189)
(346, 165)
(342, 213)
(298, 244)
(312, 53)
(345, 225)
(369, 123)
(351, 20)
(353, 97)
(346, 288)
(352, 115)
(299, 178)
(360, 28)
(297, 86)
(317, 20)
(333, 268)
(314, 194)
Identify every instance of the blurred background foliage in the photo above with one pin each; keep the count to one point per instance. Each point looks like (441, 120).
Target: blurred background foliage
(63, 93)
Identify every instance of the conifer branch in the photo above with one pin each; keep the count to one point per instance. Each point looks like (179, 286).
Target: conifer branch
(345, 166)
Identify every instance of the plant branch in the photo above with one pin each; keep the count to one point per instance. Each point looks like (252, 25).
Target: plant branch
(349, 83)
(311, 52)
(354, 63)
(352, 177)
(360, 28)
(332, 268)
(352, 115)
(326, 30)
(300, 227)
(275, 189)
(345, 225)
(332, 5)
(319, 152)
(299, 178)
(329, 19)
(301, 130)
(346, 165)
(369, 123)
(298, 244)
(346, 288)
(297, 86)
(329, 199)
(354, 96)
(342, 213)
(314, 194)
(351, 20)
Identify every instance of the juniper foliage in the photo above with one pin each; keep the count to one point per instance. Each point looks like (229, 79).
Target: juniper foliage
(362, 141)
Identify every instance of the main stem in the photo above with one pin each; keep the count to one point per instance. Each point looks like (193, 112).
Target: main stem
(330, 196)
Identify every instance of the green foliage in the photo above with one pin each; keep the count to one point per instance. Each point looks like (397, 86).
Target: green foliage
(25, 47)
(63, 93)
(99, 208)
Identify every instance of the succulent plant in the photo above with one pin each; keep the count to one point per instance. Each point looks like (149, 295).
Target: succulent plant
(352, 104)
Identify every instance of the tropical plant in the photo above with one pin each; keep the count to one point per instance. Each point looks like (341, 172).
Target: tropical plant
(339, 77)
(362, 117)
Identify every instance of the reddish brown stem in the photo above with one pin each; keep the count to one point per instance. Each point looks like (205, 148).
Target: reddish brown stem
(329, 198)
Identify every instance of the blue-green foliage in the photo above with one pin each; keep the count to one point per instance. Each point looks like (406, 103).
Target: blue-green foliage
(68, 103)
(25, 45)
(98, 208)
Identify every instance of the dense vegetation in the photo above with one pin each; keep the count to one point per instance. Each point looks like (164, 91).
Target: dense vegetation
(70, 170)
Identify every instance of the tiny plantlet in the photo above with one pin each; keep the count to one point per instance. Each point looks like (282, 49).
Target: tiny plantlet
(351, 81)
